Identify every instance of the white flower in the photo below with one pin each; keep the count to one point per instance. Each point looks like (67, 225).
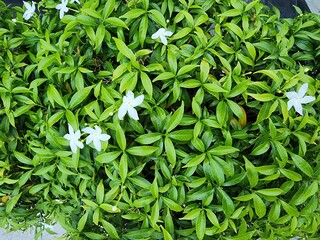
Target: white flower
(73, 138)
(72, 1)
(30, 10)
(296, 99)
(95, 136)
(128, 104)
(162, 34)
(63, 8)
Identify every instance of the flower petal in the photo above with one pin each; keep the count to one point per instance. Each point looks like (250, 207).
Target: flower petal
(67, 136)
(90, 139)
(291, 95)
(303, 89)
(298, 107)
(88, 130)
(163, 40)
(307, 99)
(129, 96)
(156, 34)
(70, 128)
(104, 137)
(73, 146)
(97, 144)
(168, 33)
(122, 111)
(137, 101)
(98, 129)
(133, 113)
(290, 103)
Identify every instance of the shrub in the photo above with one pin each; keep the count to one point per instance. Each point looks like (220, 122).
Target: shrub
(160, 120)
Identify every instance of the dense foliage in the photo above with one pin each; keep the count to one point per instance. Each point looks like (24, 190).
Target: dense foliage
(206, 113)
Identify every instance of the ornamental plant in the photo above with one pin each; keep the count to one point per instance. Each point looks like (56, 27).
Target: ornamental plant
(138, 119)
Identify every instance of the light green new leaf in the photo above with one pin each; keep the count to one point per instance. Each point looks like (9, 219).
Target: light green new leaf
(141, 150)
(172, 204)
(79, 97)
(176, 118)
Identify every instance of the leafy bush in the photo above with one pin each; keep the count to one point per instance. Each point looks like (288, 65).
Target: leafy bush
(205, 112)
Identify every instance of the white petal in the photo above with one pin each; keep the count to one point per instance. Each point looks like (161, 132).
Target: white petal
(89, 130)
(307, 99)
(303, 89)
(104, 137)
(129, 96)
(291, 95)
(27, 5)
(90, 139)
(137, 101)
(298, 107)
(164, 40)
(155, 35)
(122, 111)
(61, 13)
(77, 134)
(97, 144)
(33, 7)
(133, 113)
(70, 128)
(290, 103)
(80, 144)
(73, 146)
(98, 129)
(67, 136)
(168, 33)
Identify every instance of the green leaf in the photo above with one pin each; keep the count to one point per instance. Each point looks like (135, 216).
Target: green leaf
(230, 13)
(172, 204)
(121, 138)
(291, 210)
(302, 164)
(123, 48)
(263, 97)
(193, 214)
(259, 206)
(184, 135)
(271, 192)
(82, 222)
(79, 97)
(176, 118)
(147, 84)
(149, 138)
(252, 174)
(261, 149)
(134, 13)
(222, 113)
(291, 175)
(100, 192)
(116, 22)
(21, 157)
(166, 234)
(223, 150)
(123, 167)
(201, 225)
(213, 88)
(157, 17)
(196, 160)
(141, 150)
(54, 96)
(108, 8)
(12, 202)
(170, 151)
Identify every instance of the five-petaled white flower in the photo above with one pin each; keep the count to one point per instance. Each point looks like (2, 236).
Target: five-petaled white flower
(63, 8)
(296, 99)
(73, 138)
(30, 10)
(128, 104)
(96, 136)
(162, 34)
